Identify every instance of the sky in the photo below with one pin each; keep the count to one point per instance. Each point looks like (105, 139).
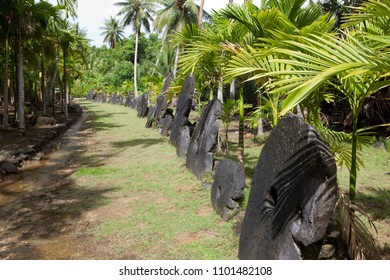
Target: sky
(92, 13)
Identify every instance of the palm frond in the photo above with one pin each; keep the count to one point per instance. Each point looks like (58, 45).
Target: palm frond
(371, 11)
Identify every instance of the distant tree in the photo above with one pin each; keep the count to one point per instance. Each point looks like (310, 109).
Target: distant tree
(339, 8)
(200, 18)
(137, 13)
(112, 32)
(69, 6)
(173, 17)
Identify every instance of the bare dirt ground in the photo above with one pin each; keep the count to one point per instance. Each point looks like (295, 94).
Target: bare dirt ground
(35, 221)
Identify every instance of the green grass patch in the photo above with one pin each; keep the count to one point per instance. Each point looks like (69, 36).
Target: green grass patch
(97, 171)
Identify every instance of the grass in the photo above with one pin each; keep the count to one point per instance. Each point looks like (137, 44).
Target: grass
(157, 209)
(161, 211)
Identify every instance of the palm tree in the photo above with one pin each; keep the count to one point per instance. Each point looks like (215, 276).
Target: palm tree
(4, 31)
(69, 6)
(72, 43)
(173, 17)
(236, 28)
(356, 64)
(200, 18)
(113, 32)
(137, 13)
(28, 18)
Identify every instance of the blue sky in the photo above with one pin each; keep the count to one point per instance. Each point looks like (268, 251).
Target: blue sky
(91, 14)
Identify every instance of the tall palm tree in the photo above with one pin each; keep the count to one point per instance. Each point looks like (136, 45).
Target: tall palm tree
(112, 32)
(200, 18)
(4, 31)
(28, 18)
(173, 17)
(137, 13)
(69, 6)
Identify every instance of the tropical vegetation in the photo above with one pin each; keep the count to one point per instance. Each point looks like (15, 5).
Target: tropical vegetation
(328, 61)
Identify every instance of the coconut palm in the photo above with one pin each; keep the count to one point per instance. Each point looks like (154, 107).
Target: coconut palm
(173, 17)
(200, 18)
(69, 7)
(72, 43)
(4, 31)
(112, 32)
(28, 18)
(137, 13)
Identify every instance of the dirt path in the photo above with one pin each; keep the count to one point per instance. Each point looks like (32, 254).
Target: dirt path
(35, 221)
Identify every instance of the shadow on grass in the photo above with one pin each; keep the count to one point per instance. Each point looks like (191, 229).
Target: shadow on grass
(44, 215)
(375, 201)
(144, 143)
(100, 126)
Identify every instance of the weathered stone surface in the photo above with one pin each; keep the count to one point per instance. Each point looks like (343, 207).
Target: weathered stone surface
(116, 99)
(128, 100)
(101, 98)
(161, 104)
(292, 196)
(183, 109)
(150, 117)
(183, 141)
(112, 99)
(134, 102)
(90, 95)
(142, 106)
(8, 168)
(227, 188)
(166, 123)
(200, 155)
(161, 108)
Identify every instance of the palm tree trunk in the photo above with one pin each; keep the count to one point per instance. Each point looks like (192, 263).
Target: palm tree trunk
(176, 62)
(220, 90)
(52, 82)
(19, 42)
(353, 173)
(232, 94)
(66, 101)
(177, 54)
(65, 87)
(260, 129)
(135, 64)
(158, 60)
(241, 155)
(5, 89)
(159, 55)
(43, 90)
(200, 18)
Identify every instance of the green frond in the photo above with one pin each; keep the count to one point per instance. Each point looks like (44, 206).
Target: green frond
(372, 11)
